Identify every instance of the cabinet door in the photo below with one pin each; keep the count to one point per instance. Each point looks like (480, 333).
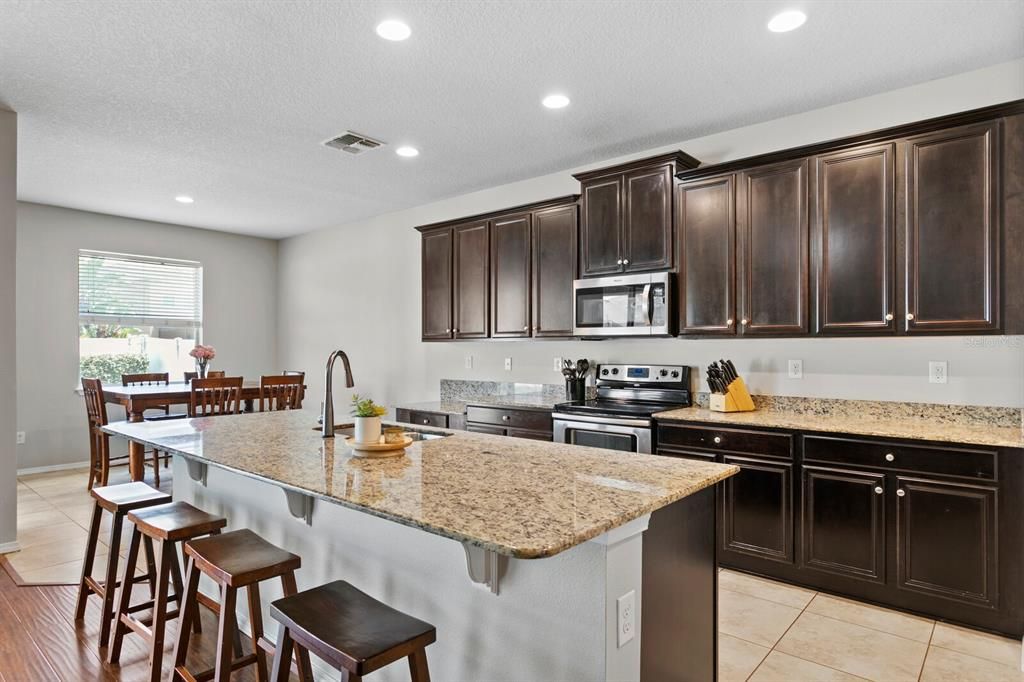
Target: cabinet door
(707, 235)
(510, 276)
(471, 280)
(947, 540)
(757, 509)
(554, 268)
(952, 230)
(647, 224)
(855, 240)
(772, 227)
(484, 428)
(436, 263)
(843, 522)
(602, 227)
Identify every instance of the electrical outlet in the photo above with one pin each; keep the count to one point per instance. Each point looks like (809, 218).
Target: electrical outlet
(508, 364)
(557, 365)
(796, 369)
(938, 372)
(625, 609)
(469, 362)
(21, 438)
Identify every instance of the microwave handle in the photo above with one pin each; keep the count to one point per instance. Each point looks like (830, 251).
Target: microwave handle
(648, 304)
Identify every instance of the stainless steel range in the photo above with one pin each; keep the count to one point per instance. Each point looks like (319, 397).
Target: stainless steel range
(620, 417)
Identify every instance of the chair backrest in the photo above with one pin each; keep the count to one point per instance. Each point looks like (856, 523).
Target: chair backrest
(215, 395)
(211, 374)
(281, 392)
(148, 379)
(95, 406)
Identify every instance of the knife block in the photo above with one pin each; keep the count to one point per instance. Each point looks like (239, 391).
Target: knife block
(735, 399)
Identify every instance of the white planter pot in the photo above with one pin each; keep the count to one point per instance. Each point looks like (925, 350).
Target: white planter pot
(367, 429)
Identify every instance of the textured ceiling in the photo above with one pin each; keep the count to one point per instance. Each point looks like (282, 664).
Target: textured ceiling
(123, 105)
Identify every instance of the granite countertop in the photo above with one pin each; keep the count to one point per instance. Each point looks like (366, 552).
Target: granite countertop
(898, 426)
(522, 498)
(528, 400)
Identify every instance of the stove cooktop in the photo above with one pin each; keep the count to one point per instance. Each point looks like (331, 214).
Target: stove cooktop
(615, 408)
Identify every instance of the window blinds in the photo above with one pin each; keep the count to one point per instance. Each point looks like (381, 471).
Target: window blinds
(134, 290)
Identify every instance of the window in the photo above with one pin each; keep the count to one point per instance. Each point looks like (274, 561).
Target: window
(137, 314)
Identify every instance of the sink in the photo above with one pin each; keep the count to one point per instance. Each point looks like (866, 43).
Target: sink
(413, 432)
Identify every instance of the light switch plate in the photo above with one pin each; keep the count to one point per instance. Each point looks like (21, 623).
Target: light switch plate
(469, 362)
(938, 372)
(557, 365)
(508, 364)
(21, 438)
(796, 369)
(625, 610)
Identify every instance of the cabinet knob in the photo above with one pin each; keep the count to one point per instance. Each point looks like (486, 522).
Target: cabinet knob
(910, 316)
(729, 321)
(901, 493)
(526, 329)
(625, 261)
(717, 439)
(743, 321)
(888, 317)
(889, 457)
(879, 490)
(456, 330)
(426, 421)
(505, 417)
(447, 331)
(536, 329)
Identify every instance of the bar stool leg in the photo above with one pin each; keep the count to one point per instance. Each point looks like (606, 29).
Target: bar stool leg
(418, 666)
(301, 653)
(84, 590)
(156, 648)
(124, 598)
(226, 633)
(109, 587)
(256, 627)
(150, 564)
(189, 606)
(283, 655)
(346, 676)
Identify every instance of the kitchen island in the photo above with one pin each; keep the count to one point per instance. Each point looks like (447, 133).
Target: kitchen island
(527, 556)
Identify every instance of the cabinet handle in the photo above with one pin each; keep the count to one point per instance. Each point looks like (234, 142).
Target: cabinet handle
(456, 330)
(526, 329)
(910, 316)
(426, 421)
(536, 329)
(901, 493)
(743, 321)
(618, 262)
(717, 439)
(447, 331)
(889, 457)
(625, 261)
(888, 317)
(505, 417)
(879, 490)
(729, 321)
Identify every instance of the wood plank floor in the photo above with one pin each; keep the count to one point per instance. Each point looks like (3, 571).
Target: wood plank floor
(39, 639)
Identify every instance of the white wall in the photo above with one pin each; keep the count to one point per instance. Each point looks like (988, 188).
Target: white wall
(357, 287)
(239, 312)
(8, 397)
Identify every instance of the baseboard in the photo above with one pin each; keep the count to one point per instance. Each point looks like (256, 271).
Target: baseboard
(53, 467)
(8, 547)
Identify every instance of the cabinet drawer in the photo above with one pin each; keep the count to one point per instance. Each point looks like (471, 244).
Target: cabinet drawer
(686, 454)
(483, 428)
(977, 464)
(532, 420)
(532, 435)
(439, 419)
(727, 440)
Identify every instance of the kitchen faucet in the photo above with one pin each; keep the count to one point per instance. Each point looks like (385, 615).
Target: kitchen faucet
(328, 415)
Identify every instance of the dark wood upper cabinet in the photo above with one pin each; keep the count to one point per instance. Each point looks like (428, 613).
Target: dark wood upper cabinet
(628, 215)
(772, 228)
(953, 230)
(602, 218)
(554, 269)
(707, 261)
(436, 264)
(471, 300)
(855, 240)
(510, 276)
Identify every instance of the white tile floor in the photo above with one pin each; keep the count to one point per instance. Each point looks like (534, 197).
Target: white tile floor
(768, 631)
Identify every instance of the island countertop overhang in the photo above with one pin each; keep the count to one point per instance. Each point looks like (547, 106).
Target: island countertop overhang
(521, 498)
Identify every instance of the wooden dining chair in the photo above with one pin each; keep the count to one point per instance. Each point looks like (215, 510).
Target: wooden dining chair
(297, 373)
(100, 460)
(214, 396)
(281, 392)
(212, 374)
(153, 379)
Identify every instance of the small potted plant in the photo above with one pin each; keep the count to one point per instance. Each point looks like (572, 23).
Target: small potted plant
(367, 416)
(203, 355)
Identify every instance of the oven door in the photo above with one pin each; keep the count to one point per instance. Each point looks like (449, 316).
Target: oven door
(626, 435)
(630, 305)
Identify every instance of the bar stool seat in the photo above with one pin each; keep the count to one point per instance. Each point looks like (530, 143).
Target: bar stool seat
(352, 631)
(239, 559)
(168, 524)
(118, 500)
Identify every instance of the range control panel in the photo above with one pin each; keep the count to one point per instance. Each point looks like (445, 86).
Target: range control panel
(639, 374)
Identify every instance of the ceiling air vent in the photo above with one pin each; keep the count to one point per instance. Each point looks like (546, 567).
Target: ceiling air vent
(353, 143)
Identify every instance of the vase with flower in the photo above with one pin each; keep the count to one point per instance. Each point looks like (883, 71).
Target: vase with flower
(202, 355)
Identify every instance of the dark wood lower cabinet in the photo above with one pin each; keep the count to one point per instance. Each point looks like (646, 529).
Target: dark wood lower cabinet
(517, 422)
(930, 528)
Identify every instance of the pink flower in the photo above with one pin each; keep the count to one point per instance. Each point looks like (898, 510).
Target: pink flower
(202, 352)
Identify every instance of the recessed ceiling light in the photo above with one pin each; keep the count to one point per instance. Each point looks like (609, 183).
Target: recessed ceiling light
(392, 29)
(407, 151)
(555, 101)
(787, 21)
(184, 199)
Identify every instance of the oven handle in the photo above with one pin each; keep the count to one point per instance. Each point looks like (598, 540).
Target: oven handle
(613, 421)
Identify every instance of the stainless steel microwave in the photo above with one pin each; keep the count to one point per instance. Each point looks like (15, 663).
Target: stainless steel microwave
(623, 305)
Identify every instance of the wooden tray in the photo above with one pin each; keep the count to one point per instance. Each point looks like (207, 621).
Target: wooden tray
(380, 449)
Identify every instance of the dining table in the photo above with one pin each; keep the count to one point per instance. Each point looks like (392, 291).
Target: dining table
(137, 399)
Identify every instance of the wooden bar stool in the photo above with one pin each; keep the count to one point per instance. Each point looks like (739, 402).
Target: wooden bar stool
(235, 560)
(169, 524)
(350, 630)
(119, 500)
